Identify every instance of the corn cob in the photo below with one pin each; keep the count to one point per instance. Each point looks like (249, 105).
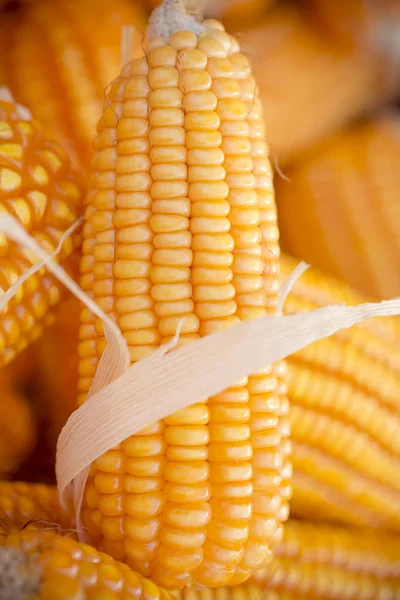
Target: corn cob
(23, 503)
(236, 14)
(41, 190)
(344, 193)
(57, 57)
(361, 23)
(313, 562)
(17, 429)
(345, 423)
(187, 196)
(310, 86)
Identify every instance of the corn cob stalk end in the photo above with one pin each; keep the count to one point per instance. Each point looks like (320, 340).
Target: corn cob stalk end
(176, 15)
(19, 574)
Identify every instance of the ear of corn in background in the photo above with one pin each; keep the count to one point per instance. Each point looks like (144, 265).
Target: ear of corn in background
(22, 503)
(40, 189)
(344, 395)
(343, 198)
(311, 85)
(58, 57)
(359, 24)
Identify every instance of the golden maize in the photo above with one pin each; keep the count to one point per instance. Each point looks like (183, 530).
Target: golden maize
(314, 562)
(17, 428)
(340, 209)
(344, 394)
(40, 189)
(179, 224)
(23, 503)
(57, 57)
(310, 86)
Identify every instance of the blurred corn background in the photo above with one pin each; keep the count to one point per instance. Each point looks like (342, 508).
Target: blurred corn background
(328, 75)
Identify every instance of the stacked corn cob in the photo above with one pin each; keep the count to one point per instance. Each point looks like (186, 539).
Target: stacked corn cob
(22, 504)
(345, 423)
(40, 189)
(360, 23)
(310, 85)
(58, 57)
(343, 199)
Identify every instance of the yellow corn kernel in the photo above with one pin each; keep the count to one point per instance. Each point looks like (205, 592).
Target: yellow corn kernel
(187, 232)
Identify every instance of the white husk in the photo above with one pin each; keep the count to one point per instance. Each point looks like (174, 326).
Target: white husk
(19, 575)
(173, 16)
